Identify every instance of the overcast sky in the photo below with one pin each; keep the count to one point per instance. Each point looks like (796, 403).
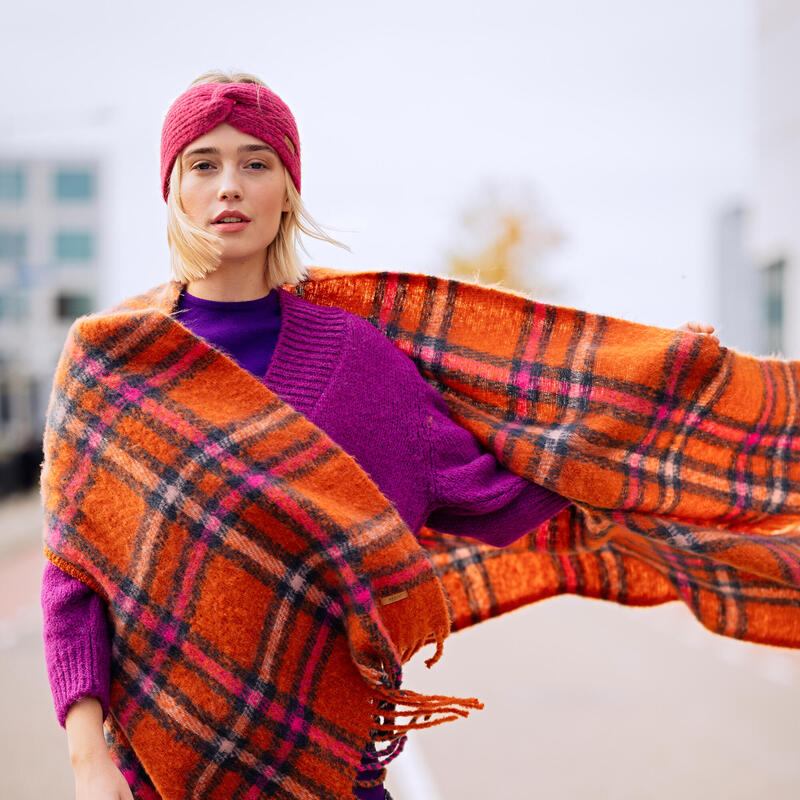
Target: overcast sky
(630, 121)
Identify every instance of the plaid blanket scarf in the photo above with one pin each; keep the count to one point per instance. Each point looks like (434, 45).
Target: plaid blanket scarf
(199, 505)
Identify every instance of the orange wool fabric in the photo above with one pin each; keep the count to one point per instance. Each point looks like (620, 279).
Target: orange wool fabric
(682, 457)
(199, 505)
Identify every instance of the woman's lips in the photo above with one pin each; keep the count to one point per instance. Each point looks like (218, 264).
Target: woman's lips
(230, 227)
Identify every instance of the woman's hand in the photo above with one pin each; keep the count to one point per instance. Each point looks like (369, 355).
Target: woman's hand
(98, 778)
(96, 775)
(702, 328)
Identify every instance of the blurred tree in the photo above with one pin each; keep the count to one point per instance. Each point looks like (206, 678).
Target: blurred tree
(508, 238)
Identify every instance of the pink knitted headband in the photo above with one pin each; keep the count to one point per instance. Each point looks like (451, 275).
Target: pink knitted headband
(247, 107)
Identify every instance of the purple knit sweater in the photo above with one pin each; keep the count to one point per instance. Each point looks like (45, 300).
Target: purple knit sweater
(351, 382)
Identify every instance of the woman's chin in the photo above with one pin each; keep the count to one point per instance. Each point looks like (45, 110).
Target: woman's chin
(235, 255)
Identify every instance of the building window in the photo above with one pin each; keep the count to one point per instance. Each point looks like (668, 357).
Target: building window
(12, 184)
(5, 403)
(74, 184)
(74, 246)
(774, 278)
(13, 245)
(70, 305)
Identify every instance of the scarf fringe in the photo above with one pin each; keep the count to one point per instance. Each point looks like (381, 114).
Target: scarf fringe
(429, 662)
(425, 711)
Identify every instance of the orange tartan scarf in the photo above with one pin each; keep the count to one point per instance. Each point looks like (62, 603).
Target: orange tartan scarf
(682, 457)
(199, 504)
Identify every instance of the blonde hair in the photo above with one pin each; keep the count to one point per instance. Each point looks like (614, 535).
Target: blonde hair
(195, 252)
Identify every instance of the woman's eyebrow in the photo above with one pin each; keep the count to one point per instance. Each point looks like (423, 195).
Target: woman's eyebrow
(248, 148)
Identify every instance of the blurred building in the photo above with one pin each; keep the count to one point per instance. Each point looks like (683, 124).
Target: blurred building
(775, 237)
(49, 259)
(741, 312)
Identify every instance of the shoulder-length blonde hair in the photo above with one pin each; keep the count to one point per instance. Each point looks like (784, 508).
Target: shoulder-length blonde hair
(195, 252)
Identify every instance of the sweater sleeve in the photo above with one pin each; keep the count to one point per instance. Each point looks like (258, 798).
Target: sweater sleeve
(77, 641)
(474, 495)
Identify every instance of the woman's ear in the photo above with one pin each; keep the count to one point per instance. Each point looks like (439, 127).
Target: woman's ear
(286, 205)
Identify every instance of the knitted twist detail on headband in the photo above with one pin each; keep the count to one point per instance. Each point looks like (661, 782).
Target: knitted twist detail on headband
(248, 107)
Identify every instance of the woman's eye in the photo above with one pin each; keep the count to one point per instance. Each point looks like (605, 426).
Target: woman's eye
(259, 164)
(200, 165)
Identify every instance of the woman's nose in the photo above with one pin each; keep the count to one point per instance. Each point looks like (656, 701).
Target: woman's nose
(229, 186)
(228, 192)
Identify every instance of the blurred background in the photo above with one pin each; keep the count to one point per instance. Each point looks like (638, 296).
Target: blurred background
(638, 158)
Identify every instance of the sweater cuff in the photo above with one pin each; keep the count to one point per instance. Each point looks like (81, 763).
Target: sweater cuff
(75, 673)
(532, 507)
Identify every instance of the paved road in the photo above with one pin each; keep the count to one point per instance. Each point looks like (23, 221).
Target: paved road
(590, 700)
(33, 757)
(583, 700)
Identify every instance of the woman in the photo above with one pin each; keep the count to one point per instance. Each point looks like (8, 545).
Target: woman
(231, 178)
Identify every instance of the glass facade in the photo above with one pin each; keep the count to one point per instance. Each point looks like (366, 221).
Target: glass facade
(73, 304)
(50, 241)
(12, 184)
(774, 278)
(74, 185)
(74, 246)
(13, 245)
(5, 403)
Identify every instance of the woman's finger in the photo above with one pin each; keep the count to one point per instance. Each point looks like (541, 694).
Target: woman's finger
(697, 327)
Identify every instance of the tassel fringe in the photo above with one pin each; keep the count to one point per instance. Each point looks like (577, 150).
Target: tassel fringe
(425, 711)
(429, 662)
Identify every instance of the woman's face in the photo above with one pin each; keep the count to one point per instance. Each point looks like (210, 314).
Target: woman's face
(227, 170)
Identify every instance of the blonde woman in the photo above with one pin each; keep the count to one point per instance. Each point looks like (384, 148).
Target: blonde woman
(231, 179)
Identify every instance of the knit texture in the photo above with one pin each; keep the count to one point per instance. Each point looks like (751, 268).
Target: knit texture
(248, 107)
(77, 641)
(247, 330)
